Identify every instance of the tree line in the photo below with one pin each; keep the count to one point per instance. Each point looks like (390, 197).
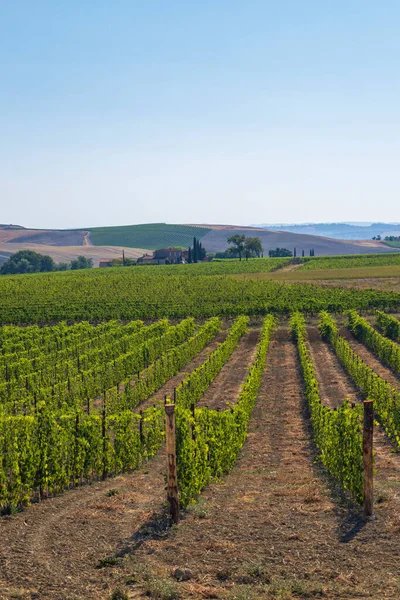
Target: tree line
(28, 261)
(251, 247)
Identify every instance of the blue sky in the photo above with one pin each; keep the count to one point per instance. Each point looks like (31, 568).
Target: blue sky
(214, 111)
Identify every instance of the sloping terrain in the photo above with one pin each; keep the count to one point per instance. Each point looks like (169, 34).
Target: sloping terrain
(340, 231)
(49, 237)
(160, 235)
(68, 253)
(216, 241)
(149, 235)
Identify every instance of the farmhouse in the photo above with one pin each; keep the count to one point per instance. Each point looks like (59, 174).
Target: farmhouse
(163, 256)
(147, 259)
(105, 263)
(168, 255)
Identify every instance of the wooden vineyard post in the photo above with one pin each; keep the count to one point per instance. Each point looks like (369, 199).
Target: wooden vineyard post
(368, 434)
(172, 488)
(141, 428)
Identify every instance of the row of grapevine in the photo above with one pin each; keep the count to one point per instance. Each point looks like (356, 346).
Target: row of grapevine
(73, 359)
(386, 399)
(388, 351)
(51, 450)
(388, 324)
(149, 344)
(55, 448)
(351, 262)
(160, 371)
(33, 341)
(208, 441)
(49, 337)
(337, 433)
(194, 386)
(145, 293)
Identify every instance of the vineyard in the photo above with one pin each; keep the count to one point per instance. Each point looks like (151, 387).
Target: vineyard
(151, 235)
(349, 262)
(146, 293)
(269, 434)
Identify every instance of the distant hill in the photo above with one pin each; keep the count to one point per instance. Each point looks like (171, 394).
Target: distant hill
(342, 231)
(215, 241)
(107, 242)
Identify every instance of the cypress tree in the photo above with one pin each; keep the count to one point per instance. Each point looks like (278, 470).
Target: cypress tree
(195, 250)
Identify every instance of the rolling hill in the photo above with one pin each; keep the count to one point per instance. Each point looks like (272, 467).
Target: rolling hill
(107, 242)
(151, 235)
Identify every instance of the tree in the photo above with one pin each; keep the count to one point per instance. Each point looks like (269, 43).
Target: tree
(280, 252)
(197, 252)
(28, 261)
(238, 242)
(81, 262)
(195, 256)
(201, 251)
(252, 247)
(63, 266)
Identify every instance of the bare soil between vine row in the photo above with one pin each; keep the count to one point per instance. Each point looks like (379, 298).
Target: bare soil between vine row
(275, 527)
(335, 384)
(52, 549)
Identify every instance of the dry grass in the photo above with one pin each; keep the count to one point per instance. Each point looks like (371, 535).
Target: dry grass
(68, 253)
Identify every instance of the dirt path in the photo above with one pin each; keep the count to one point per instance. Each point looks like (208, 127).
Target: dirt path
(51, 550)
(335, 385)
(290, 267)
(86, 239)
(370, 359)
(226, 386)
(168, 388)
(272, 528)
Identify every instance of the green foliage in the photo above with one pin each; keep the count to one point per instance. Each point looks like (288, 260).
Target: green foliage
(280, 252)
(119, 293)
(238, 242)
(348, 262)
(81, 262)
(72, 374)
(195, 385)
(208, 441)
(151, 236)
(386, 399)
(162, 369)
(60, 443)
(389, 325)
(337, 433)
(27, 261)
(388, 351)
(253, 247)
